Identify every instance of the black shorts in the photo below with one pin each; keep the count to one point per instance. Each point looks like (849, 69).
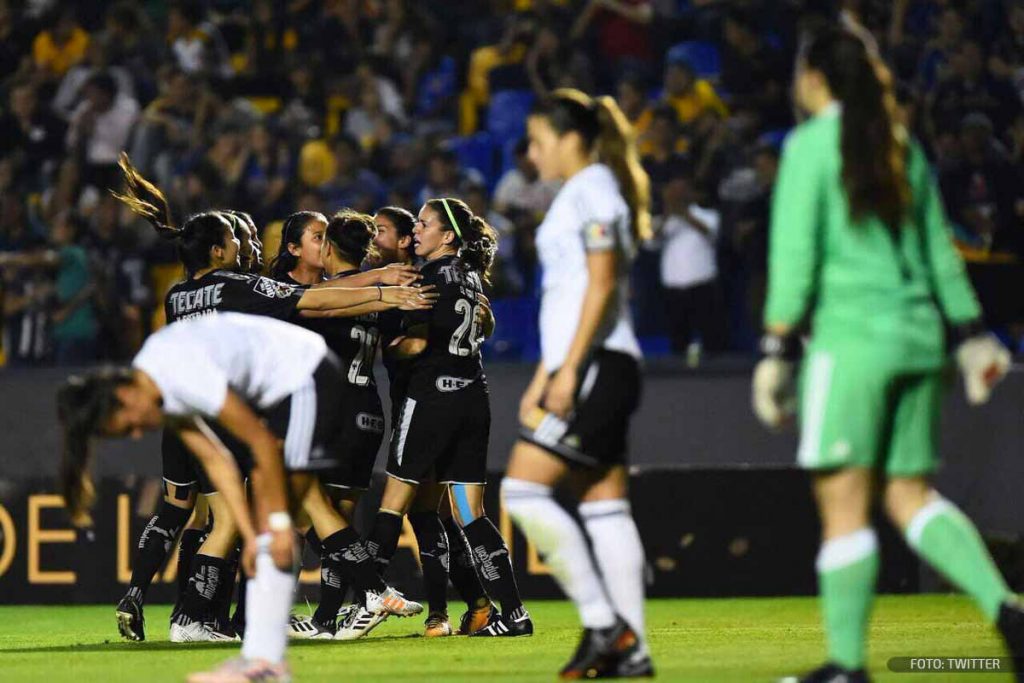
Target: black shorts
(442, 438)
(597, 433)
(307, 420)
(362, 431)
(183, 470)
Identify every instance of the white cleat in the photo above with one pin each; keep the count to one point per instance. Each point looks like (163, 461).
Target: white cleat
(307, 628)
(198, 632)
(358, 622)
(392, 602)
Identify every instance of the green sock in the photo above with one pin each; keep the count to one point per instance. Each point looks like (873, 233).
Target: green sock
(946, 538)
(847, 570)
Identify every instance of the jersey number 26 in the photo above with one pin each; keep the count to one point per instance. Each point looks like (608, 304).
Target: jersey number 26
(463, 344)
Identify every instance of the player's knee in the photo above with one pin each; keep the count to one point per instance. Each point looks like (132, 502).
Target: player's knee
(904, 497)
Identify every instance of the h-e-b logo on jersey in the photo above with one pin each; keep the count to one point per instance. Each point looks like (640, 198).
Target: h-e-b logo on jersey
(272, 289)
(370, 423)
(448, 383)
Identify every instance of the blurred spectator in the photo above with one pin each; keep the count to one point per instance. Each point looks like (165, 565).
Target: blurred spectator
(12, 42)
(938, 53)
(430, 88)
(96, 61)
(445, 178)
(509, 51)
(631, 96)
(265, 175)
(521, 191)
(31, 136)
(664, 153)
(688, 269)
(124, 299)
(302, 115)
(754, 73)
(970, 89)
(170, 125)
(1007, 56)
(99, 130)
(505, 277)
(622, 32)
(75, 327)
(981, 190)
(353, 185)
(270, 39)
(197, 44)
(344, 34)
(58, 48)
(688, 95)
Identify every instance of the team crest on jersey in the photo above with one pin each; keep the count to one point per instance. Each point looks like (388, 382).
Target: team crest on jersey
(370, 423)
(598, 235)
(272, 289)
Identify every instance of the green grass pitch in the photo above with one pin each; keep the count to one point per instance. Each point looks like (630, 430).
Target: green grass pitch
(692, 640)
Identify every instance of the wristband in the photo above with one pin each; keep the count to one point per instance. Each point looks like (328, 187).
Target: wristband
(964, 331)
(279, 521)
(788, 348)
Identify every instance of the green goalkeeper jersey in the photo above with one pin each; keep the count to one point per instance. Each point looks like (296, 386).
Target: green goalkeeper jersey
(868, 290)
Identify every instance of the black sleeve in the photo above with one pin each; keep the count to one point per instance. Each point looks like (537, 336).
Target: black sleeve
(261, 296)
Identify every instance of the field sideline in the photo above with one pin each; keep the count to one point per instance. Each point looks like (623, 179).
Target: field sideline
(692, 640)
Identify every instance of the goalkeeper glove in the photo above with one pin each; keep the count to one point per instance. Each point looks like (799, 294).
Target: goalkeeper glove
(983, 361)
(774, 387)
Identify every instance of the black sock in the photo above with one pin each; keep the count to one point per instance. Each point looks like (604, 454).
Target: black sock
(155, 545)
(493, 566)
(221, 607)
(383, 539)
(460, 567)
(313, 542)
(345, 553)
(204, 579)
(433, 543)
(191, 539)
(333, 582)
(238, 618)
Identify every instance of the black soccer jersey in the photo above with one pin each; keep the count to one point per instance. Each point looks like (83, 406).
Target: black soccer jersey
(353, 340)
(452, 358)
(225, 290)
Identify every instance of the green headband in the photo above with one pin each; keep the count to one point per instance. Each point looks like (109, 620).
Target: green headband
(451, 217)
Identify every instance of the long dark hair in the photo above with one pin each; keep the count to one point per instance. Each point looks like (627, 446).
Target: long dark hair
(404, 221)
(84, 404)
(352, 233)
(873, 146)
(479, 241)
(291, 233)
(200, 233)
(606, 130)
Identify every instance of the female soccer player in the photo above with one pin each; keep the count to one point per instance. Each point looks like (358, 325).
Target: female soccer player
(276, 388)
(575, 413)
(861, 248)
(443, 425)
(210, 251)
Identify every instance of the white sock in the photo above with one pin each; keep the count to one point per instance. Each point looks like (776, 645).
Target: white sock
(620, 556)
(268, 601)
(560, 541)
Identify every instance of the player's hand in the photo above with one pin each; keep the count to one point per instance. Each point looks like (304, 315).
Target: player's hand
(409, 298)
(282, 549)
(249, 557)
(529, 404)
(484, 316)
(983, 361)
(560, 396)
(774, 392)
(399, 274)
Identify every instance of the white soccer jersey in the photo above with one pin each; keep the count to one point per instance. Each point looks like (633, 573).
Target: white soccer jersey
(589, 214)
(194, 362)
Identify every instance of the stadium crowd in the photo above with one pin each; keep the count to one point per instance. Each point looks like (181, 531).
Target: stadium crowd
(272, 106)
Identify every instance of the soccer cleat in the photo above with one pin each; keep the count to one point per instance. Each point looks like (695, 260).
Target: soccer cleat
(197, 632)
(476, 619)
(358, 622)
(516, 624)
(437, 625)
(130, 621)
(830, 673)
(1011, 626)
(392, 602)
(242, 670)
(601, 652)
(635, 664)
(308, 628)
